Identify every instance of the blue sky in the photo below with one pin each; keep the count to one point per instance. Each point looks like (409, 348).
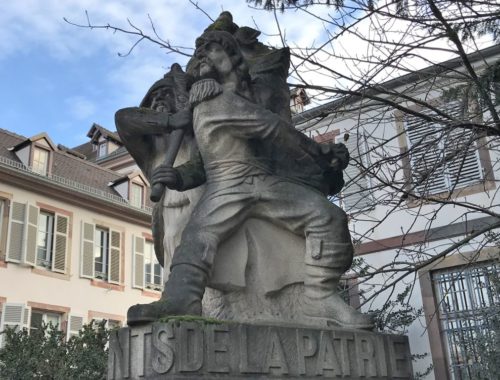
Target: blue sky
(59, 79)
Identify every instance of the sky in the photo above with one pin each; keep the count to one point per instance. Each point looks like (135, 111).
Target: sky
(60, 79)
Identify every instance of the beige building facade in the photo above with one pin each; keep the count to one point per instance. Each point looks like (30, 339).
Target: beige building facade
(75, 237)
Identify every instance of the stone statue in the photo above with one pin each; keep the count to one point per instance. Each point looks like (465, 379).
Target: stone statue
(143, 131)
(253, 165)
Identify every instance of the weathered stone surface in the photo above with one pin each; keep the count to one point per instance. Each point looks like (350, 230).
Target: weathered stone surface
(193, 350)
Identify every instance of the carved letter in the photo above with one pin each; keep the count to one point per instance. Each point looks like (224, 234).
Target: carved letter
(163, 354)
(327, 361)
(275, 356)
(399, 356)
(245, 366)
(365, 352)
(341, 345)
(140, 343)
(214, 347)
(119, 354)
(191, 347)
(306, 347)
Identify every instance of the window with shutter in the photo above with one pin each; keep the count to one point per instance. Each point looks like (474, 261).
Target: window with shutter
(114, 257)
(12, 317)
(31, 232)
(3, 228)
(356, 194)
(87, 250)
(37, 237)
(442, 158)
(15, 242)
(75, 324)
(138, 262)
(27, 317)
(101, 252)
(60, 245)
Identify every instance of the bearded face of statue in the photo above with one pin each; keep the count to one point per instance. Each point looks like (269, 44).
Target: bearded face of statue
(162, 99)
(213, 62)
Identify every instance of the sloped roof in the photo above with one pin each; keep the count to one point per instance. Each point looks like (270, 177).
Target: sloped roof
(97, 130)
(66, 165)
(40, 136)
(87, 150)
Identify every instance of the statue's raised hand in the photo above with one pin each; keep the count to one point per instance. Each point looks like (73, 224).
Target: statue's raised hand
(168, 176)
(181, 119)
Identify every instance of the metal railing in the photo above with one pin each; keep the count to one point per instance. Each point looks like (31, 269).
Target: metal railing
(469, 305)
(71, 184)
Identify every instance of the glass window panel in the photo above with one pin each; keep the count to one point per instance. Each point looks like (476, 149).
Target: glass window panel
(103, 149)
(153, 271)
(45, 238)
(101, 253)
(136, 195)
(36, 320)
(55, 319)
(40, 160)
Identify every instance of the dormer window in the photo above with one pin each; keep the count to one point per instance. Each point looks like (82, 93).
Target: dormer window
(103, 149)
(36, 153)
(40, 163)
(104, 142)
(131, 188)
(136, 194)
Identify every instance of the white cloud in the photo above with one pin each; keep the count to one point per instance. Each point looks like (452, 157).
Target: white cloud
(81, 108)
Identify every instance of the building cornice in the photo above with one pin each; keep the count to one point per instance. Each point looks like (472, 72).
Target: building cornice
(81, 197)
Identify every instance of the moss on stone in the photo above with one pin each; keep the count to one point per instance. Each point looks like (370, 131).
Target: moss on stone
(193, 318)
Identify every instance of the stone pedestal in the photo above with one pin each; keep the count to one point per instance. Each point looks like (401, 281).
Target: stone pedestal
(181, 349)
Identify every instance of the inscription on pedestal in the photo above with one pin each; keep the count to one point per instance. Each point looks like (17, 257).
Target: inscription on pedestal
(185, 350)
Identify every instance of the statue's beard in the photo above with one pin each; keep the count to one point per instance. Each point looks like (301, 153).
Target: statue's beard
(204, 89)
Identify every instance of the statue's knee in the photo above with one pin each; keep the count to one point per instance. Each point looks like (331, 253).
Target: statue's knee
(198, 248)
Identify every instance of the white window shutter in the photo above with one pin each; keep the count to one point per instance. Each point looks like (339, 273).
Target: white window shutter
(31, 233)
(87, 250)
(138, 262)
(60, 244)
(15, 236)
(356, 193)
(425, 157)
(75, 324)
(465, 168)
(27, 317)
(114, 257)
(442, 159)
(12, 317)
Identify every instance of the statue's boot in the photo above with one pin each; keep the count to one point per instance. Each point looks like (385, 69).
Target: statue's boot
(182, 296)
(322, 300)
